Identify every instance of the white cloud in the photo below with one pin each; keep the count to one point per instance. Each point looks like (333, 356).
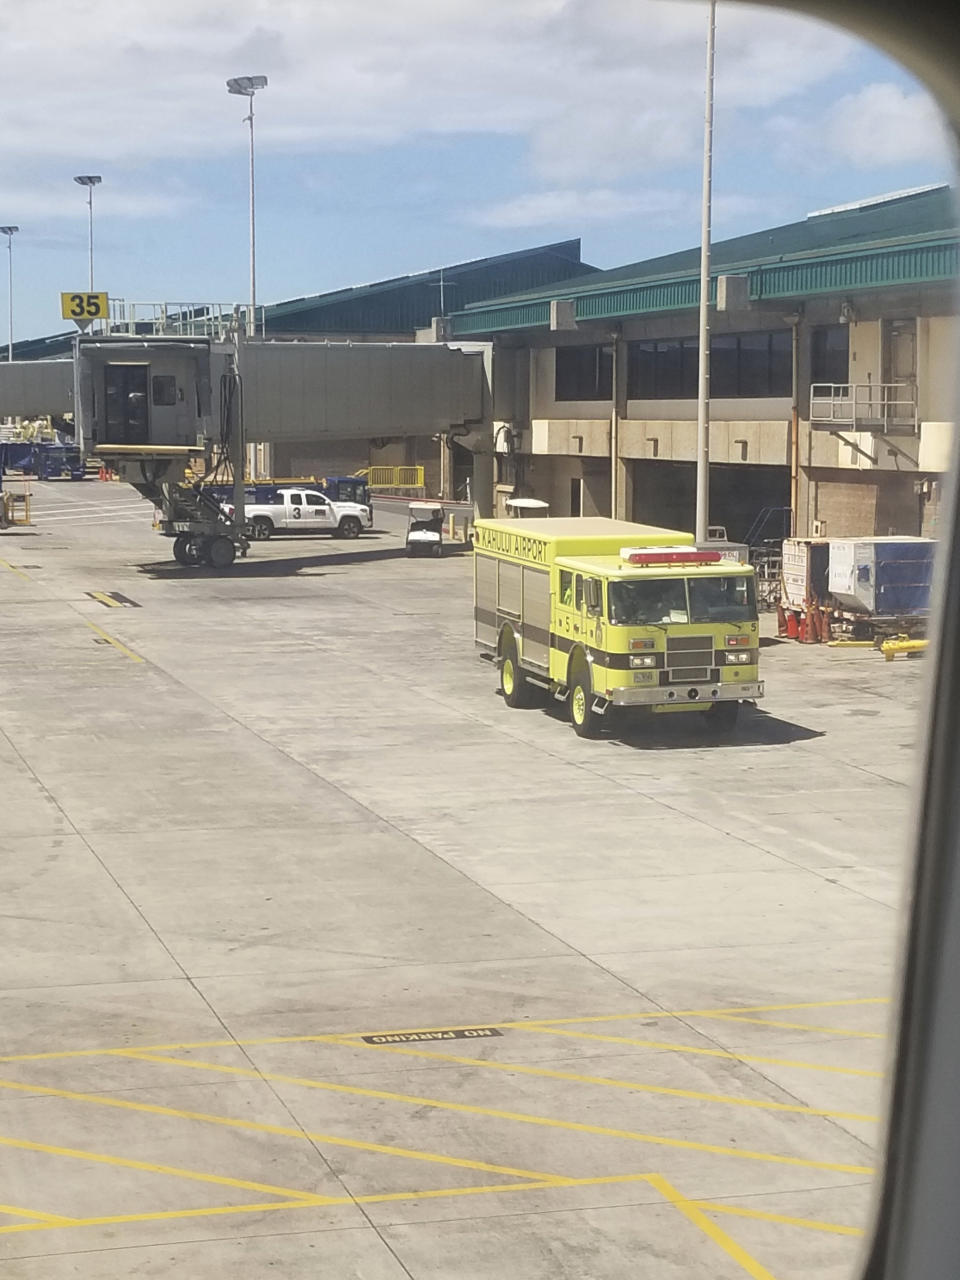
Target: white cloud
(596, 85)
(574, 208)
(879, 125)
(60, 199)
(884, 124)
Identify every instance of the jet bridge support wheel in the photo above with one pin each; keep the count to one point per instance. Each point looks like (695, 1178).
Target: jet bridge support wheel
(220, 553)
(186, 550)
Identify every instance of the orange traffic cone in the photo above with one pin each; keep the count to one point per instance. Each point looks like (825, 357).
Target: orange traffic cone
(793, 630)
(781, 620)
(808, 633)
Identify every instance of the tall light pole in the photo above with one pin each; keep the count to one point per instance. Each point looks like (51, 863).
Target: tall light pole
(246, 87)
(703, 379)
(90, 180)
(9, 232)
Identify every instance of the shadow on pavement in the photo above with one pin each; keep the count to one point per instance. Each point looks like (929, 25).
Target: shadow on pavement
(288, 566)
(689, 731)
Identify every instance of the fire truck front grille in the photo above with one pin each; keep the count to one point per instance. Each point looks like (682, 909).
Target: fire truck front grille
(687, 675)
(689, 659)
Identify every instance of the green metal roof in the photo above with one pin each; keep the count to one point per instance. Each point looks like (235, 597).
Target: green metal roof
(404, 303)
(906, 239)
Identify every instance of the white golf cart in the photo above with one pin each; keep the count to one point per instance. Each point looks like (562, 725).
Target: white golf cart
(425, 529)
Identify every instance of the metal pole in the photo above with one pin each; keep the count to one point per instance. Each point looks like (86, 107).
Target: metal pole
(794, 425)
(90, 208)
(703, 381)
(252, 318)
(10, 296)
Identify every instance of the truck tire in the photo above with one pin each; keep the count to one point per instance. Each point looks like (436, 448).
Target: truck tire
(221, 553)
(722, 717)
(349, 527)
(261, 528)
(585, 721)
(514, 685)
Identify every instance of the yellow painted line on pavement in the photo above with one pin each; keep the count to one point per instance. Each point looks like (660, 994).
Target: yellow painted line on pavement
(127, 653)
(212, 1211)
(496, 1114)
(14, 1211)
(105, 599)
(668, 1047)
(797, 1026)
(518, 1025)
(284, 1131)
(693, 1213)
(144, 1166)
(326, 1202)
(776, 1008)
(13, 569)
(811, 1224)
(633, 1085)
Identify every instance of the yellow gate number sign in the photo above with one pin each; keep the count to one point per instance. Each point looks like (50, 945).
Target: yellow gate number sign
(83, 307)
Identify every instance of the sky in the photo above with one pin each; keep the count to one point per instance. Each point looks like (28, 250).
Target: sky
(397, 135)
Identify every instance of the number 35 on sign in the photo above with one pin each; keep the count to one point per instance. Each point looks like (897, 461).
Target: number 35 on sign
(83, 307)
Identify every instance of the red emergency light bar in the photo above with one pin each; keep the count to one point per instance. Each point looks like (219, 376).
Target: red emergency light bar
(670, 555)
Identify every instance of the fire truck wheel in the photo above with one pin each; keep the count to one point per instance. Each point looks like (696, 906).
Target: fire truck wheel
(722, 717)
(585, 721)
(514, 685)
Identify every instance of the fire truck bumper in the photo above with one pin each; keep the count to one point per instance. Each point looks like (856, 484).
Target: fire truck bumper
(687, 695)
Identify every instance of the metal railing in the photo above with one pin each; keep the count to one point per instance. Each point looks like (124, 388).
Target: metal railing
(887, 408)
(216, 320)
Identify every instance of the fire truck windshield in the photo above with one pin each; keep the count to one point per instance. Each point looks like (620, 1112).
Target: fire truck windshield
(732, 599)
(660, 601)
(648, 602)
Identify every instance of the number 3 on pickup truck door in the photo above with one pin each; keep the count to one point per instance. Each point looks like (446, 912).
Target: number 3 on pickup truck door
(296, 513)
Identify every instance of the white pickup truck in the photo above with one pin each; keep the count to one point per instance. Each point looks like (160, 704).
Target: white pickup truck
(305, 511)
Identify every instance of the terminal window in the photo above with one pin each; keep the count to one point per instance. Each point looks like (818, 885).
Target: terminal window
(584, 373)
(741, 364)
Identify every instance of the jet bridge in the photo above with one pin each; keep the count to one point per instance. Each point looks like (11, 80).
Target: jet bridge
(167, 412)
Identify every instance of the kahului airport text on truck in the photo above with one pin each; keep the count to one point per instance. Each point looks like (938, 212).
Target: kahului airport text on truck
(604, 613)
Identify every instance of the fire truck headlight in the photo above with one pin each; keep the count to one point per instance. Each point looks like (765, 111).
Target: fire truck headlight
(739, 657)
(643, 660)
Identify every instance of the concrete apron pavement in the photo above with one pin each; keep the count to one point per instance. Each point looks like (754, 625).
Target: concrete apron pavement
(316, 956)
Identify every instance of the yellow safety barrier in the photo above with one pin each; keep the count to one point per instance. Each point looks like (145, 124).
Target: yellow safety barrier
(395, 478)
(901, 644)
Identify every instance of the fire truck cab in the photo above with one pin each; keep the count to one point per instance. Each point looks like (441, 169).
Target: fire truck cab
(603, 613)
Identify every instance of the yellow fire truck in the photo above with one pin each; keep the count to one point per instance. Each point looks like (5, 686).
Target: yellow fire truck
(605, 613)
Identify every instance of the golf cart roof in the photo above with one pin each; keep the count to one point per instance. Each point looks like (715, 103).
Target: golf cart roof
(527, 504)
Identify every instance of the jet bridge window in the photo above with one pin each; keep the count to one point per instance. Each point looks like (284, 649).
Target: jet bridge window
(125, 403)
(164, 389)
